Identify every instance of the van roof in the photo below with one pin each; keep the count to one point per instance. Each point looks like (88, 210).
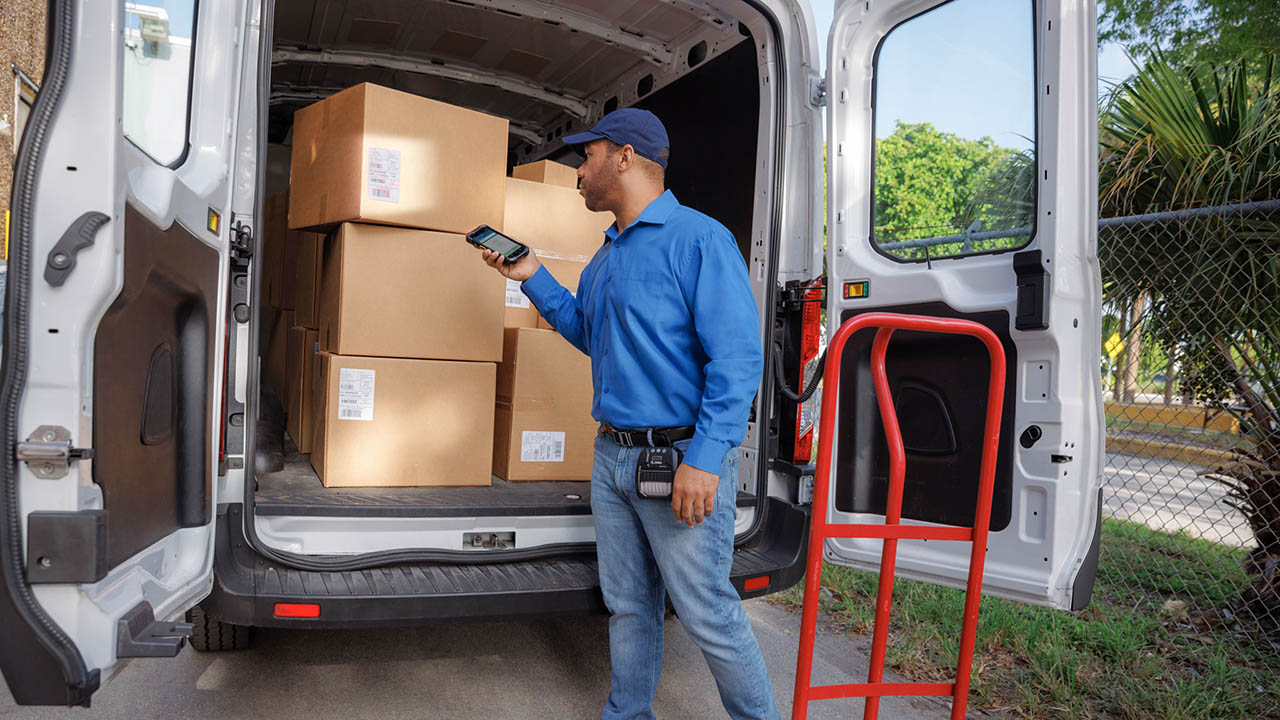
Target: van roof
(549, 68)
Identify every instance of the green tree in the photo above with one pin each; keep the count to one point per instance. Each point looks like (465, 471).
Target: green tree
(930, 183)
(1206, 31)
(1173, 140)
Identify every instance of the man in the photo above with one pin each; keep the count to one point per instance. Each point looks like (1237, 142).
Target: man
(666, 314)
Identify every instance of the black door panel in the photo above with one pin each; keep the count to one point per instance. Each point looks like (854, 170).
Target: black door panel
(939, 386)
(153, 381)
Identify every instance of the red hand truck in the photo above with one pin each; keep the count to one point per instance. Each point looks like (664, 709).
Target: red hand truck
(891, 531)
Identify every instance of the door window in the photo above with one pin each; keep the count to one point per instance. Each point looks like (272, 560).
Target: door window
(955, 138)
(158, 45)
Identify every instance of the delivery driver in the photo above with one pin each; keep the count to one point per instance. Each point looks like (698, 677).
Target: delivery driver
(666, 314)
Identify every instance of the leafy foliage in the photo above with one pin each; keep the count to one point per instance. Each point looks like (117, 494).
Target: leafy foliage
(930, 183)
(1182, 139)
(1205, 31)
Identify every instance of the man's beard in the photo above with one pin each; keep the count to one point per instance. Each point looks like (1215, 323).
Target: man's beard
(594, 192)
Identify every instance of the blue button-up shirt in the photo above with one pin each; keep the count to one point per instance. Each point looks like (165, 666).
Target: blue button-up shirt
(665, 312)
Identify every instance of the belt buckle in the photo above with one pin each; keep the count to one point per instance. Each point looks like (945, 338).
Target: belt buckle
(625, 439)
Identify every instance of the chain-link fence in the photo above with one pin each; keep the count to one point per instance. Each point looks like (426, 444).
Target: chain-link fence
(1191, 368)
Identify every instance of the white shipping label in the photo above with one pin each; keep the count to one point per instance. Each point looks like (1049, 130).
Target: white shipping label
(541, 446)
(355, 394)
(515, 296)
(384, 174)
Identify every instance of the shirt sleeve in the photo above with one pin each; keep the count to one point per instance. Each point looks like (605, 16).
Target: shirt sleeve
(727, 323)
(559, 306)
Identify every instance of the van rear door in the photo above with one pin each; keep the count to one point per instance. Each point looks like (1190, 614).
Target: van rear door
(962, 156)
(113, 339)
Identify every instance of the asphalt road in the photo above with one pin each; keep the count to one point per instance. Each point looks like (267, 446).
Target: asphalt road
(552, 668)
(1170, 496)
(492, 671)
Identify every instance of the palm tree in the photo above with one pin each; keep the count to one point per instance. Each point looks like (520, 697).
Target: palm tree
(1177, 139)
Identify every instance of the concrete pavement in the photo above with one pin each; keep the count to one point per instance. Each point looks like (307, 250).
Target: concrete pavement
(491, 671)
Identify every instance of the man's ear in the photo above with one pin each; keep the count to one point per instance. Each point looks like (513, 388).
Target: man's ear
(626, 157)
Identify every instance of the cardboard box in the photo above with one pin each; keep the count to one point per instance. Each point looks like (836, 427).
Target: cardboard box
(548, 172)
(398, 292)
(392, 422)
(553, 220)
(307, 285)
(520, 311)
(279, 253)
(303, 346)
(276, 360)
(377, 155)
(543, 425)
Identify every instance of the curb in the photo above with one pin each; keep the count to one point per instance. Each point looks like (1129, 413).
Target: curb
(1190, 454)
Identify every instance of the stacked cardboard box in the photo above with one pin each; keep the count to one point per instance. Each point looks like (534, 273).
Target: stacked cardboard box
(407, 320)
(544, 429)
(548, 172)
(552, 220)
(544, 426)
(392, 374)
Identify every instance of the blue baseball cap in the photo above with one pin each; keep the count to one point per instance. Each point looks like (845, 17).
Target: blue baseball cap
(640, 129)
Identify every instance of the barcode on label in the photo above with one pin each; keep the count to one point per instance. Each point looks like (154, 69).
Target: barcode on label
(355, 394)
(384, 174)
(515, 296)
(541, 446)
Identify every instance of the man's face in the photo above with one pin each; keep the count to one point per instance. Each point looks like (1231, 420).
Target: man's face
(598, 176)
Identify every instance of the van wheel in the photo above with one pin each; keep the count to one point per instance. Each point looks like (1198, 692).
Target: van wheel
(210, 635)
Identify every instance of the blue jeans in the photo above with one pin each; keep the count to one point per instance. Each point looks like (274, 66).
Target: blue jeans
(644, 553)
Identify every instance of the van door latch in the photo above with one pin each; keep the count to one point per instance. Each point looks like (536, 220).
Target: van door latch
(48, 452)
(818, 92)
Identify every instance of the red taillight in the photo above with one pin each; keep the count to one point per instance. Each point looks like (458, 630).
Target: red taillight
(756, 583)
(297, 610)
(810, 333)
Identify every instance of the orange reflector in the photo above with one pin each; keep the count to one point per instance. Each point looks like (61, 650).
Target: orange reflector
(756, 583)
(859, 289)
(297, 610)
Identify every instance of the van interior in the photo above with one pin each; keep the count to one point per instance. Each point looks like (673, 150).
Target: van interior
(550, 69)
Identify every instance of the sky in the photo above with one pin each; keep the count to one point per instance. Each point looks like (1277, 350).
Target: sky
(962, 67)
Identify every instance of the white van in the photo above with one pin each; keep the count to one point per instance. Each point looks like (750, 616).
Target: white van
(131, 370)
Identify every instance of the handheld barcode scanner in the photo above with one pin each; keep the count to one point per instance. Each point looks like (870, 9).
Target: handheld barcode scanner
(656, 471)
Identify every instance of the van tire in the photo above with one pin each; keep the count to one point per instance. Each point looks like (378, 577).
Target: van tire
(210, 635)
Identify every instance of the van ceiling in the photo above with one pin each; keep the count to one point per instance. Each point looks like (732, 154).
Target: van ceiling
(542, 65)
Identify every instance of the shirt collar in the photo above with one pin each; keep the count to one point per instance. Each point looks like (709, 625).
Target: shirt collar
(655, 213)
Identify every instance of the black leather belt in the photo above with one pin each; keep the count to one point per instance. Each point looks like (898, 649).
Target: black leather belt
(647, 437)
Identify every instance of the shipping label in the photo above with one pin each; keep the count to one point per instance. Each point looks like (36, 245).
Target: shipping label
(515, 296)
(355, 394)
(541, 446)
(384, 174)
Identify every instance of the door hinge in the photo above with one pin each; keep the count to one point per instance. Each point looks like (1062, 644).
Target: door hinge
(48, 452)
(818, 92)
(241, 241)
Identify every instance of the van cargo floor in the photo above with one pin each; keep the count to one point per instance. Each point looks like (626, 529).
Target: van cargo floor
(296, 490)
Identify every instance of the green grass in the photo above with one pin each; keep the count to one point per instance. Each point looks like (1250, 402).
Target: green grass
(1125, 656)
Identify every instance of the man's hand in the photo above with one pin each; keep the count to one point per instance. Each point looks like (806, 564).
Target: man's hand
(693, 496)
(520, 270)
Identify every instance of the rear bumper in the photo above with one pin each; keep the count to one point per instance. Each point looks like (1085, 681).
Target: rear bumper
(247, 586)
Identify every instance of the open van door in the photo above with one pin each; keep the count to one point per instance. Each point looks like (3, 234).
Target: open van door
(962, 152)
(113, 343)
